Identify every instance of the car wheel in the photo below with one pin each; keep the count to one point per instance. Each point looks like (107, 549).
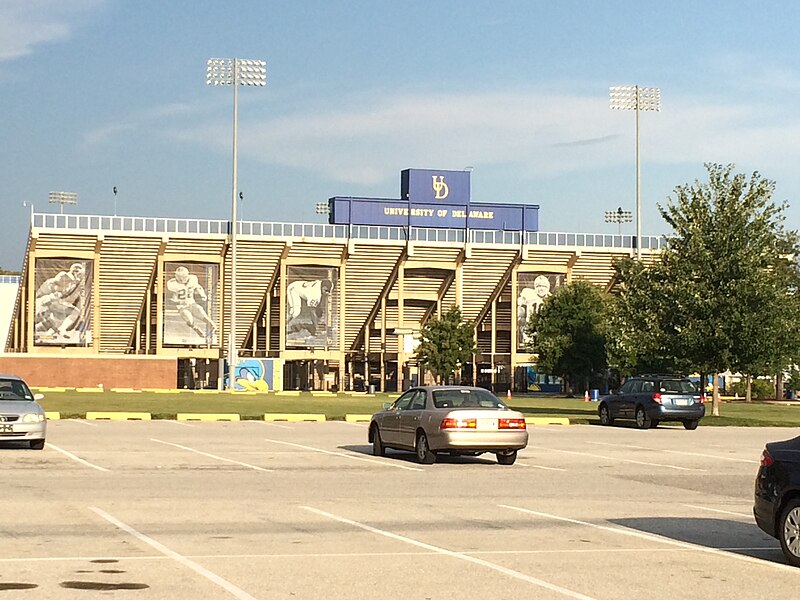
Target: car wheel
(789, 532)
(37, 445)
(642, 420)
(377, 443)
(507, 457)
(691, 424)
(605, 415)
(425, 455)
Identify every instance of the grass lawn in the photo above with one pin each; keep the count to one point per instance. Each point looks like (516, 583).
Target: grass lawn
(74, 404)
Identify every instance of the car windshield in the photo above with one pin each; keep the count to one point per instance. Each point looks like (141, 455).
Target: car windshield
(459, 398)
(678, 386)
(13, 389)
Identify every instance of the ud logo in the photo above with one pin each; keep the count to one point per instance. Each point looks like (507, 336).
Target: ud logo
(440, 187)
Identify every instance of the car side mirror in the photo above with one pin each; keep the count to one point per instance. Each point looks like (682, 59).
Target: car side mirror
(387, 405)
(38, 397)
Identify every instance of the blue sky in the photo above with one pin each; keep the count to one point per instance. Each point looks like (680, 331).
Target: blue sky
(105, 93)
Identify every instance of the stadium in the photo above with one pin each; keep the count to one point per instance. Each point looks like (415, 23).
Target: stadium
(146, 302)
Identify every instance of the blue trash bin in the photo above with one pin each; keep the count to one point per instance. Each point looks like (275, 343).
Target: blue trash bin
(595, 394)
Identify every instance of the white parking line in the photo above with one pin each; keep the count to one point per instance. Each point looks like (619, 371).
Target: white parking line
(699, 454)
(627, 460)
(344, 455)
(214, 456)
(465, 557)
(524, 464)
(181, 423)
(655, 538)
(717, 510)
(83, 422)
(271, 424)
(223, 583)
(75, 458)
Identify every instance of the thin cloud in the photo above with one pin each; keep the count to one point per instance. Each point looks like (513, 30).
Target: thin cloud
(26, 24)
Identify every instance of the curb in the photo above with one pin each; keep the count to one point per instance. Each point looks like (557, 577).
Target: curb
(358, 418)
(207, 417)
(293, 417)
(118, 416)
(546, 421)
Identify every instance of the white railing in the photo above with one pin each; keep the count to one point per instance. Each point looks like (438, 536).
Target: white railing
(103, 223)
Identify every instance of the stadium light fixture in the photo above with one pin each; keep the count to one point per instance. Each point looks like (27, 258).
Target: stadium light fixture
(235, 72)
(63, 198)
(322, 208)
(637, 99)
(619, 217)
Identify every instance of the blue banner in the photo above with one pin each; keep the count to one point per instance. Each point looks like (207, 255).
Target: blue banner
(440, 187)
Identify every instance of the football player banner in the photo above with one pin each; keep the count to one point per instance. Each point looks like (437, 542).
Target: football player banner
(312, 307)
(191, 303)
(532, 290)
(63, 302)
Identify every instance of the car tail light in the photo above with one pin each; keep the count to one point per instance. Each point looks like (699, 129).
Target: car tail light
(702, 398)
(511, 424)
(450, 423)
(657, 397)
(766, 459)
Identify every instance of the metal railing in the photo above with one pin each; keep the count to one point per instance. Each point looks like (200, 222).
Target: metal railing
(166, 225)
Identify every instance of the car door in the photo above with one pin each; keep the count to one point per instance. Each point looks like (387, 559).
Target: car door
(629, 393)
(390, 423)
(411, 418)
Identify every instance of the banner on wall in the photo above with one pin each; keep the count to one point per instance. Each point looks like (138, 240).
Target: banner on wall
(312, 307)
(191, 303)
(532, 291)
(63, 304)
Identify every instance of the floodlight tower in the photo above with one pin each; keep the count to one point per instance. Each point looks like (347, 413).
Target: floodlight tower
(635, 98)
(618, 216)
(235, 72)
(63, 198)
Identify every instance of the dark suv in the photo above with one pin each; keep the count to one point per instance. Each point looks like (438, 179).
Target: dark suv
(650, 399)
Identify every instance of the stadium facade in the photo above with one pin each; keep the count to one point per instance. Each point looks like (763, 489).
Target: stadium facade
(144, 302)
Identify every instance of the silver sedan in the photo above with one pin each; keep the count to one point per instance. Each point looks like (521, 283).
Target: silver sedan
(21, 417)
(457, 420)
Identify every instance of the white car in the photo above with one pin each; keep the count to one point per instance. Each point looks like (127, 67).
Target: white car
(21, 417)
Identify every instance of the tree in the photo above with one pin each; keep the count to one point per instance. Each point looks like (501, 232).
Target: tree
(446, 344)
(723, 296)
(569, 334)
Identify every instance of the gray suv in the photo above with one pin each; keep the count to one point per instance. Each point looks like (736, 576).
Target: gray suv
(651, 399)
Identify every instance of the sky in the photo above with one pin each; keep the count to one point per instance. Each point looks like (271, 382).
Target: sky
(98, 94)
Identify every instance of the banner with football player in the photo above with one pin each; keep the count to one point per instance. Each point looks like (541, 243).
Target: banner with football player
(312, 307)
(532, 289)
(191, 303)
(63, 303)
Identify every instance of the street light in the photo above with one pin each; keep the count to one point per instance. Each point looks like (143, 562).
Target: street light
(618, 216)
(633, 97)
(235, 72)
(63, 198)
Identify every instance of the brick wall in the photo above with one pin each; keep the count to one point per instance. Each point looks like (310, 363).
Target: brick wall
(64, 371)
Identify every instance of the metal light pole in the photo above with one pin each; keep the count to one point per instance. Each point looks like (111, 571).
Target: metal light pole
(235, 72)
(618, 216)
(635, 98)
(63, 198)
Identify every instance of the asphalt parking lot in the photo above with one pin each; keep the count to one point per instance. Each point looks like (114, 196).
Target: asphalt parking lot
(256, 510)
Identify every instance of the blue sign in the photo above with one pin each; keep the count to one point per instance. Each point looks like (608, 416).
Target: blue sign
(440, 187)
(438, 199)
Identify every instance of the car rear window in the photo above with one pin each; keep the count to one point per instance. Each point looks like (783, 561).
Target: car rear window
(677, 386)
(466, 399)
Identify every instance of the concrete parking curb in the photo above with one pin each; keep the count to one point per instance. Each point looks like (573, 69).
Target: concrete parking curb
(207, 417)
(358, 418)
(92, 390)
(118, 416)
(52, 416)
(546, 421)
(293, 417)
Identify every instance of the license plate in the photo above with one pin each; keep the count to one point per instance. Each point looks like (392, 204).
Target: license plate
(487, 424)
(681, 402)
(6, 428)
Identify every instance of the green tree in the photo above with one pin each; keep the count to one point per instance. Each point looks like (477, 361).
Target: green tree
(446, 344)
(568, 334)
(723, 296)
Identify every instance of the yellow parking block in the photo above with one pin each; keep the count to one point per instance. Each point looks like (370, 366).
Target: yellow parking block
(126, 390)
(118, 416)
(204, 391)
(358, 418)
(293, 417)
(49, 389)
(97, 390)
(160, 391)
(288, 393)
(207, 417)
(323, 394)
(546, 421)
(52, 416)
